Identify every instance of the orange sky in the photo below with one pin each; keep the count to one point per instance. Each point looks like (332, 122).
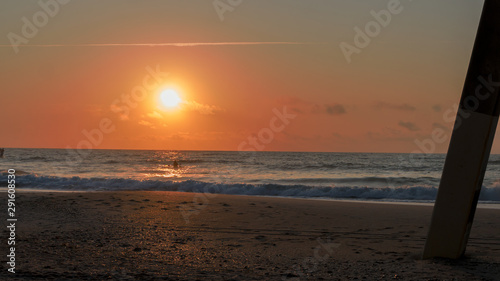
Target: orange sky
(388, 99)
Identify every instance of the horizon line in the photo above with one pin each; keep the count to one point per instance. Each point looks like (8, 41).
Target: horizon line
(224, 150)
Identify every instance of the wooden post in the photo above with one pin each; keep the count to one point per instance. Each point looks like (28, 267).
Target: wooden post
(470, 143)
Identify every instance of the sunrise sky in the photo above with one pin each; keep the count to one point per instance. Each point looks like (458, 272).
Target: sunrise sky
(87, 61)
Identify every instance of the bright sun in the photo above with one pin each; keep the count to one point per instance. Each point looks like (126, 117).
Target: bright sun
(170, 99)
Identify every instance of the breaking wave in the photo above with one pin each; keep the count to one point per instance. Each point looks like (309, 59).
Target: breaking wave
(397, 193)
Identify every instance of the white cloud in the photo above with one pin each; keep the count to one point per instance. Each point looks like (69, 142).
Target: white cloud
(155, 115)
(147, 124)
(202, 108)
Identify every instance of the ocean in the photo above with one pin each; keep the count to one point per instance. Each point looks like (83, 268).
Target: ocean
(353, 176)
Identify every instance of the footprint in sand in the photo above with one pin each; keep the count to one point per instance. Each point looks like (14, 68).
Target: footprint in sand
(260, 237)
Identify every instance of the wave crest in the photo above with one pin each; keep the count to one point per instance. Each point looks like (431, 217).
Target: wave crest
(411, 193)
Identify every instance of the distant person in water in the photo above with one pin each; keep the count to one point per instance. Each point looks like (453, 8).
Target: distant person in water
(1, 152)
(176, 165)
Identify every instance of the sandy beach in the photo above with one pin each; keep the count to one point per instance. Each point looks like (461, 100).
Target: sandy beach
(186, 236)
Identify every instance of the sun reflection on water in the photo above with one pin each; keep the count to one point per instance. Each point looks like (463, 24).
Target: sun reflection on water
(162, 166)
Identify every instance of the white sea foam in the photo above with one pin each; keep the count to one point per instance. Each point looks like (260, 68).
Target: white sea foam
(408, 193)
(357, 176)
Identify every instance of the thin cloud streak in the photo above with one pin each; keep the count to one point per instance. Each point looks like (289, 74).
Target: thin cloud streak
(168, 44)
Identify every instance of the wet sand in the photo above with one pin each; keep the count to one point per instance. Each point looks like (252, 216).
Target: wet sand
(186, 236)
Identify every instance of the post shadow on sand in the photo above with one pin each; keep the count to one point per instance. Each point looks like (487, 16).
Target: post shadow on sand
(470, 144)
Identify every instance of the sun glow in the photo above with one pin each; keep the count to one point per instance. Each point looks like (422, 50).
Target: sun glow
(170, 98)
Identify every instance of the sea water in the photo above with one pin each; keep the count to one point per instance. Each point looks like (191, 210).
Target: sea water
(359, 176)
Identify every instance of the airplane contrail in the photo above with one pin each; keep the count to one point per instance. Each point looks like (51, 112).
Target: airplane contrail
(166, 44)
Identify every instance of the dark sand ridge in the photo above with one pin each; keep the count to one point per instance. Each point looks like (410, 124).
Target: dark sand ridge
(145, 236)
